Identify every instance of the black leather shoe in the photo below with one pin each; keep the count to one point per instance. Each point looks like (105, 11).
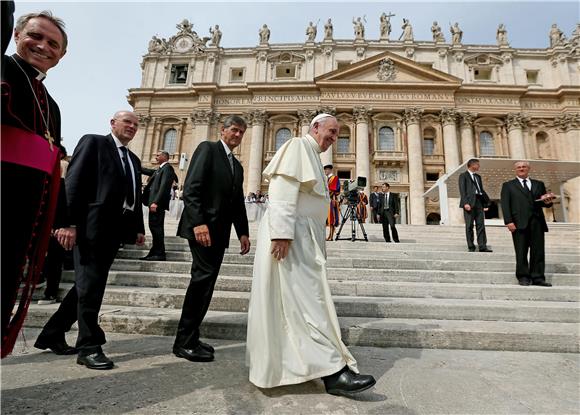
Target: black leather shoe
(471, 249)
(155, 258)
(96, 361)
(60, 348)
(145, 258)
(542, 284)
(346, 382)
(207, 347)
(485, 250)
(197, 354)
(525, 281)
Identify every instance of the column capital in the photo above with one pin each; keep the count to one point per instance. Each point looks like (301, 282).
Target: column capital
(205, 116)
(569, 121)
(256, 117)
(516, 120)
(361, 114)
(412, 115)
(306, 116)
(448, 116)
(466, 119)
(326, 109)
(144, 119)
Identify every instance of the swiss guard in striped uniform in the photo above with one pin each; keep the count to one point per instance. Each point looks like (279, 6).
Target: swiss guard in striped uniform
(334, 193)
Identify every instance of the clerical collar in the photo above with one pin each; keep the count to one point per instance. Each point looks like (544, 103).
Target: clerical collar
(313, 143)
(30, 70)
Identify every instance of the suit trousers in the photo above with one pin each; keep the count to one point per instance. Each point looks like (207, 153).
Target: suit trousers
(477, 215)
(388, 220)
(83, 301)
(532, 240)
(52, 269)
(205, 267)
(156, 226)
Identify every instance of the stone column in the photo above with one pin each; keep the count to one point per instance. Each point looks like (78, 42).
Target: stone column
(361, 116)
(569, 126)
(467, 140)
(449, 120)
(403, 208)
(257, 118)
(326, 157)
(412, 117)
(515, 123)
(137, 144)
(202, 118)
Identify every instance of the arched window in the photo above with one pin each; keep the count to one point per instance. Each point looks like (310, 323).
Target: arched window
(343, 142)
(386, 139)
(282, 135)
(543, 145)
(170, 141)
(486, 145)
(428, 141)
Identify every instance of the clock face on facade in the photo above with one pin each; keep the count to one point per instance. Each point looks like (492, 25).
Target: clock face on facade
(183, 44)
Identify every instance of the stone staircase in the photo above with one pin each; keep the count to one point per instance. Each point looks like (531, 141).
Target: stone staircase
(426, 292)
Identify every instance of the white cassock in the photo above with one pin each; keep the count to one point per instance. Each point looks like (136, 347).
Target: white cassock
(293, 330)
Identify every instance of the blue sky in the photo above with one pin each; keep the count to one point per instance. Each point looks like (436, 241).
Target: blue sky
(108, 39)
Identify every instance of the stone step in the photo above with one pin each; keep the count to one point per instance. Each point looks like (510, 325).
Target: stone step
(377, 332)
(420, 289)
(370, 253)
(375, 307)
(346, 274)
(358, 263)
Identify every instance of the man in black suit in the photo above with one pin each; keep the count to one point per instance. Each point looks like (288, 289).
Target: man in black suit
(522, 200)
(374, 202)
(213, 200)
(104, 207)
(388, 209)
(474, 202)
(156, 195)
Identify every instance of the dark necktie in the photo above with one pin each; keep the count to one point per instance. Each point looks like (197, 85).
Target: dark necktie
(476, 184)
(231, 160)
(129, 191)
(525, 183)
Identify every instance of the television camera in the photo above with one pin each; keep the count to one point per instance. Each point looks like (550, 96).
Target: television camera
(350, 191)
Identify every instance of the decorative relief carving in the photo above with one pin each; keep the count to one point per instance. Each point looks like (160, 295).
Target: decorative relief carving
(306, 116)
(409, 52)
(467, 118)
(205, 116)
(144, 119)
(262, 56)
(256, 117)
(387, 70)
(361, 114)
(569, 121)
(516, 120)
(327, 50)
(309, 54)
(360, 52)
(326, 109)
(412, 115)
(391, 176)
(448, 116)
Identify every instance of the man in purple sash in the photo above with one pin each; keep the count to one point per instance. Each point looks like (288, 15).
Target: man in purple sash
(30, 159)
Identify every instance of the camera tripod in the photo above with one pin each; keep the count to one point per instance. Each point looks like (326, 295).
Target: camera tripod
(351, 214)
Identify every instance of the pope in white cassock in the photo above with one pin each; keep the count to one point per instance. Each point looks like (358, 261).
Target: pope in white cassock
(293, 330)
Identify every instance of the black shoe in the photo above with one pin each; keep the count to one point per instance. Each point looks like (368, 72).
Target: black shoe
(524, 281)
(60, 348)
(154, 258)
(471, 249)
(397, 241)
(197, 354)
(485, 250)
(47, 300)
(389, 241)
(145, 258)
(97, 361)
(346, 382)
(541, 283)
(207, 347)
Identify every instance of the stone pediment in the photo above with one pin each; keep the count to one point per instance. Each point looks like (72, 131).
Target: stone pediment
(483, 59)
(286, 57)
(387, 68)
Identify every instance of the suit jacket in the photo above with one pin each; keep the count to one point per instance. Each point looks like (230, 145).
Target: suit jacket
(518, 204)
(213, 195)
(393, 203)
(95, 194)
(374, 202)
(158, 188)
(467, 190)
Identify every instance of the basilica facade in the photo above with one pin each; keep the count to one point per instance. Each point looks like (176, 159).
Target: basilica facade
(409, 110)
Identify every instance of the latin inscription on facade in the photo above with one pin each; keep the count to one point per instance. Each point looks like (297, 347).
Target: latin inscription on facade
(488, 100)
(387, 96)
